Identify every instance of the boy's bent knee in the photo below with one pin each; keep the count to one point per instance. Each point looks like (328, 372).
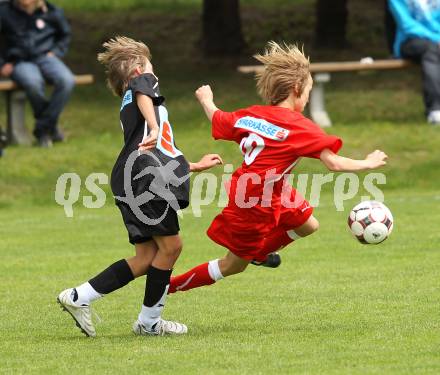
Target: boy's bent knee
(170, 245)
(314, 225)
(228, 267)
(308, 228)
(32, 86)
(65, 82)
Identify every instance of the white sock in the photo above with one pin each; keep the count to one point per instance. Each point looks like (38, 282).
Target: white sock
(214, 270)
(86, 294)
(293, 235)
(149, 316)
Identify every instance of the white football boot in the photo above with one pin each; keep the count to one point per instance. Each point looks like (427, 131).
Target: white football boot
(82, 314)
(434, 117)
(161, 328)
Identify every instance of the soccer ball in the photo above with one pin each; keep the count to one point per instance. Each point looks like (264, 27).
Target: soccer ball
(370, 222)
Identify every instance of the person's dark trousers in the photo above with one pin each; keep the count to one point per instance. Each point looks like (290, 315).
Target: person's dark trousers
(426, 53)
(31, 76)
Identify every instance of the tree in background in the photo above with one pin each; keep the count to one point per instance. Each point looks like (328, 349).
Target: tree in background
(222, 33)
(331, 23)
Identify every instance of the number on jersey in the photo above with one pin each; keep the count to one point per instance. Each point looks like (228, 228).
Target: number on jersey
(251, 147)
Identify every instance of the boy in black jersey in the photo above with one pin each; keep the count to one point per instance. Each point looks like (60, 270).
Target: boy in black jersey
(150, 181)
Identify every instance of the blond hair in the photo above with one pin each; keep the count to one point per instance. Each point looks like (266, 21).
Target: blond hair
(286, 68)
(121, 58)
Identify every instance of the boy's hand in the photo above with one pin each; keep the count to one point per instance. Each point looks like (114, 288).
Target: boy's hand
(150, 140)
(6, 70)
(376, 159)
(206, 98)
(204, 94)
(208, 161)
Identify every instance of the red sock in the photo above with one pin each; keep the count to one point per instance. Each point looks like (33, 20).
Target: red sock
(276, 240)
(194, 278)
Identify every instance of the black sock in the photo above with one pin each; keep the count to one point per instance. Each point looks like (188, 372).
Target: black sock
(157, 281)
(112, 278)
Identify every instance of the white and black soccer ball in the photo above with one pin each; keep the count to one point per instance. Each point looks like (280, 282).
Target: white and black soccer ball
(370, 222)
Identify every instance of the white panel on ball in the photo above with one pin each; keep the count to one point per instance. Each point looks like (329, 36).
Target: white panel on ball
(371, 222)
(375, 233)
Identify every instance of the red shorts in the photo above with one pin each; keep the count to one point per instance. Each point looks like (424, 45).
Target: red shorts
(242, 231)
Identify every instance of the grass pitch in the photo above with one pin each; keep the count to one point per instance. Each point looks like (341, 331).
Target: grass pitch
(333, 307)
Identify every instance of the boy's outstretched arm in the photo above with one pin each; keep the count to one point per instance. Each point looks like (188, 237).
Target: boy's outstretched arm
(206, 98)
(146, 107)
(207, 162)
(338, 163)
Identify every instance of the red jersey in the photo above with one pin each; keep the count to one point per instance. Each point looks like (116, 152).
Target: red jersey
(272, 140)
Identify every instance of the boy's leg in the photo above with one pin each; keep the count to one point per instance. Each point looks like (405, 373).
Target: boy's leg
(208, 273)
(427, 53)
(77, 300)
(156, 289)
(295, 221)
(118, 274)
(283, 235)
(29, 77)
(63, 80)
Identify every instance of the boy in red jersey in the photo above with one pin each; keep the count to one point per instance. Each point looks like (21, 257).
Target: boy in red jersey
(264, 212)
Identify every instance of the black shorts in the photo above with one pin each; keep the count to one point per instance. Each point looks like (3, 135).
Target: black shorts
(156, 218)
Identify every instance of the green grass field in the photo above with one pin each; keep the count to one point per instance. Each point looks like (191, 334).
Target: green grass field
(333, 307)
(156, 5)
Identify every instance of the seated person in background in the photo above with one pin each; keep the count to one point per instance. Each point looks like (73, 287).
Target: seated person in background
(418, 39)
(36, 36)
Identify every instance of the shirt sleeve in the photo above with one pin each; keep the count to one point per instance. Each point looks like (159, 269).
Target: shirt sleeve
(407, 24)
(223, 126)
(311, 140)
(63, 35)
(147, 84)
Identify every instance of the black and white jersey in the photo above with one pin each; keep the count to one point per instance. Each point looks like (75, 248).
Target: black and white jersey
(163, 171)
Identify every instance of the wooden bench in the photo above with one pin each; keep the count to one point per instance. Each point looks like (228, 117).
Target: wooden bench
(321, 75)
(15, 105)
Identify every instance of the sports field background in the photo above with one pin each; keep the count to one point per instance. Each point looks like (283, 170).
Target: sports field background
(333, 307)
